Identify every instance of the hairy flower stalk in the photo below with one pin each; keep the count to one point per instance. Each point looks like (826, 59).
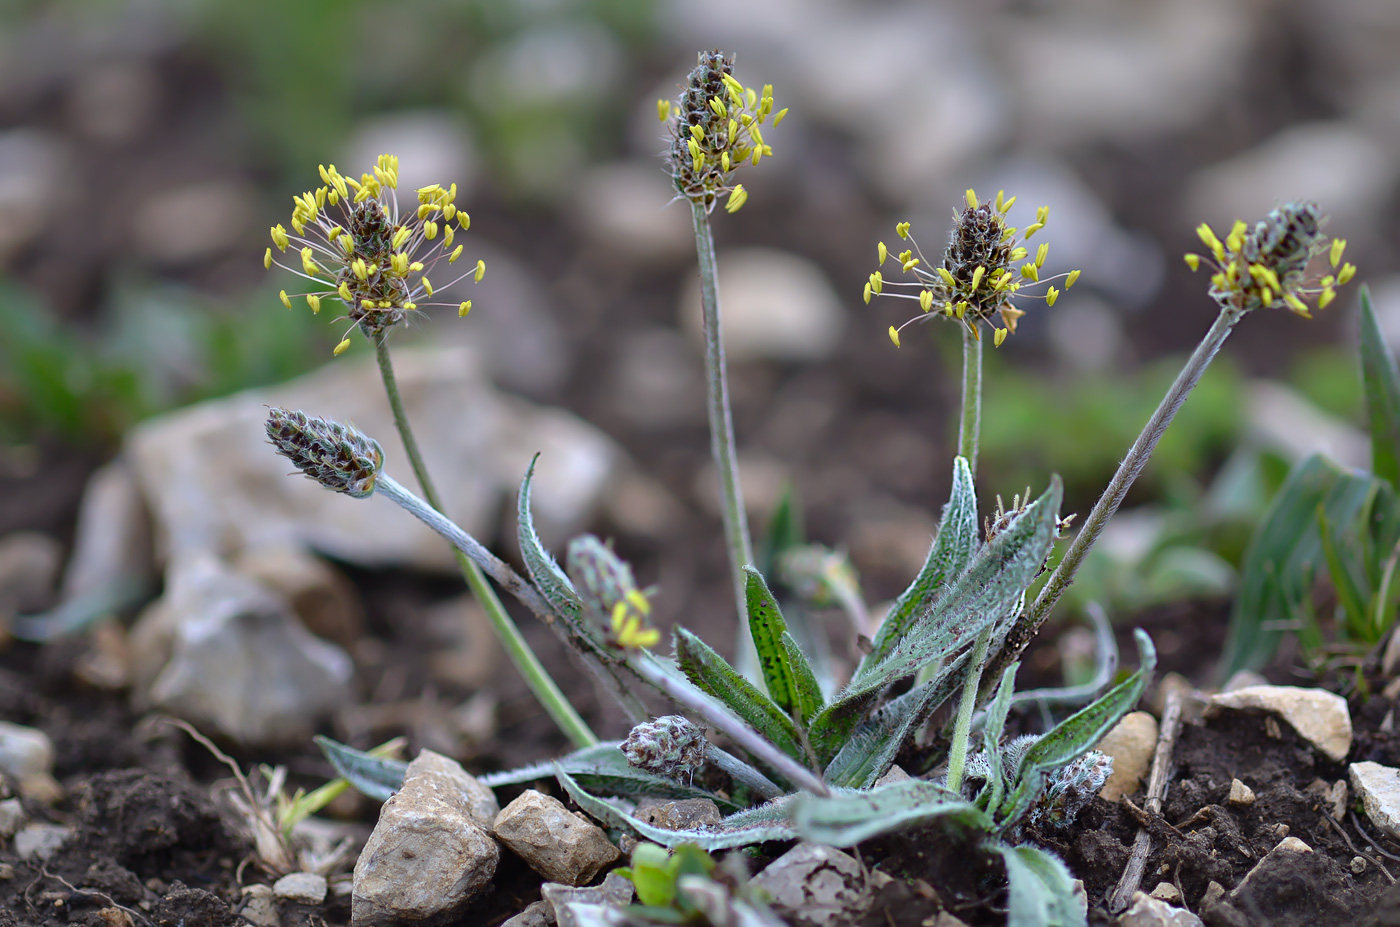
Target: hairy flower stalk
(1267, 266)
(341, 458)
(715, 129)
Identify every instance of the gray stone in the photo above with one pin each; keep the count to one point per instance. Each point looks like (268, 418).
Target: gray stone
(427, 857)
(29, 564)
(776, 306)
(441, 775)
(301, 888)
(1243, 679)
(687, 814)
(614, 892)
(320, 595)
(193, 222)
(240, 663)
(536, 914)
(1320, 717)
(1379, 788)
(259, 907)
(12, 817)
(433, 146)
(1147, 911)
(35, 185)
(627, 206)
(819, 886)
(40, 841)
(1286, 847)
(26, 756)
(559, 845)
(1131, 743)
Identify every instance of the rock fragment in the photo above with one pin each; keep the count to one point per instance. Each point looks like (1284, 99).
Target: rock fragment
(1149, 911)
(1131, 743)
(570, 906)
(1240, 794)
(559, 845)
(301, 888)
(259, 907)
(40, 841)
(26, 756)
(1379, 788)
(819, 886)
(1320, 717)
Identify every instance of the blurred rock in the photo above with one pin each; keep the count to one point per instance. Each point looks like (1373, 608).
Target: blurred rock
(819, 886)
(427, 857)
(320, 595)
(761, 477)
(35, 185)
(114, 101)
(259, 907)
(1149, 911)
(1334, 164)
(615, 892)
(40, 841)
(559, 845)
(1379, 789)
(1131, 743)
(213, 483)
(535, 914)
(1320, 717)
(640, 505)
(657, 379)
(106, 661)
(27, 756)
(628, 208)
(773, 305)
(467, 651)
(1281, 419)
(433, 146)
(29, 564)
(301, 888)
(12, 817)
(193, 222)
(1243, 679)
(112, 541)
(222, 652)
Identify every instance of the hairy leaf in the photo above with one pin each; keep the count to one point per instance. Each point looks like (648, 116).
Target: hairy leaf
(1040, 889)
(755, 825)
(545, 572)
(372, 776)
(806, 690)
(992, 728)
(710, 673)
(846, 819)
(766, 627)
(1381, 380)
(1074, 736)
(952, 548)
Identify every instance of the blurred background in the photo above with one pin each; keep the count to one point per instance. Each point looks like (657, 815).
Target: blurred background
(146, 146)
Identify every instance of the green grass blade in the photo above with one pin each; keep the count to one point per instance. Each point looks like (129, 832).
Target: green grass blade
(1381, 381)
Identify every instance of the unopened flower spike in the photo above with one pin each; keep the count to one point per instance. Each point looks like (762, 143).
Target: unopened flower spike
(1269, 264)
(716, 128)
(355, 245)
(672, 746)
(985, 268)
(610, 594)
(336, 456)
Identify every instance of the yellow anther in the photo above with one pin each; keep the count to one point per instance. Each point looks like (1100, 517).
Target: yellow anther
(1071, 279)
(1018, 254)
(1296, 304)
(427, 209)
(286, 301)
(998, 337)
(308, 264)
(448, 211)
(267, 259)
(718, 106)
(971, 198)
(464, 308)
(724, 161)
(427, 286)
(314, 302)
(398, 263)
(910, 264)
(1235, 240)
(1051, 295)
(1266, 296)
(1042, 215)
(464, 221)
(344, 291)
(865, 293)
(448, 233)
(877, 282)
(1327, 296)
(1030, 272)
(694, 147)
(279, 237)
(947, 277)
(480, 270)
(737, 197)
(1346, 273)
(779, 116)
(663, 110)
(385, 304)
(430, 230)
(902, 229)
(926, 300)
(880, 249)
(977, 273)
(360, 268)
(1338, 246)
(400, 237)
(697, 133)
(410, 306)
(894, 335)
(1193, 261)
(321, 198)
(960, 310)
(1033, 228)
(334, 232)
(340, 348)
(456, 253)
(1041, 254)
(733, 128)
(367, 304)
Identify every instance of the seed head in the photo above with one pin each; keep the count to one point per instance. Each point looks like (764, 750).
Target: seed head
(334, 455)
(610, 594)
(715, 128)
(1268, 266)
(978, 277)
(355, 246)
(672, 746)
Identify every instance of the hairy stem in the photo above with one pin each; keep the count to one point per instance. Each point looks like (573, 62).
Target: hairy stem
(970, 422)
(1030, 621)
(736, 526)
(536, 676)
(742, 773)
(962, 730)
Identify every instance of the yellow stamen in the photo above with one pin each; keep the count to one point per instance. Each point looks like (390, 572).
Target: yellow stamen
(463, 309)
(340, 348)
(480, 270)
(894, 335)
(998, 337)
(286, 301)
(314, 302)
(1338, 246)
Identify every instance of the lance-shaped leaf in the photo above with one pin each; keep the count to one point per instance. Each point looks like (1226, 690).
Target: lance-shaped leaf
(1382, 384)
(1074, 736)
(847, 819)
(807, 692)
(952, 548)
(712, 674)
(755, 825)
(984, 592)
(603, 768)
(373, 776)
(992, 727)
(1040, 890)
(784, 531)
(544, 571)
(766, 627)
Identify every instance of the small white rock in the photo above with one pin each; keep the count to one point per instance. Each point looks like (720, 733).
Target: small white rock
(41, 840)
(1148, 911)
(259, 906)
(301, 888)
(12, 817)
(1131, 743)
(559, 845)
(1379, 788)
(1240, 794)
(1320, 717)
(1166, 891)
(26, 755)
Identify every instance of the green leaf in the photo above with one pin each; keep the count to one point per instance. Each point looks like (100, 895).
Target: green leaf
(766, 626)
(992, 729)
(869, 751)
(1381, 380)
(1040, 889)
(372, 776)
(846, 819)
(951, 550)
(756, 825)
(784, 530)
(710, 673)
(603, 768)
(1340, 555)
(1076, 735)
(1287, 544)
(807, 692)
(545, 572)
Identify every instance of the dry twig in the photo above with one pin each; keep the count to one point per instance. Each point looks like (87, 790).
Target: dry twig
(1156, 789)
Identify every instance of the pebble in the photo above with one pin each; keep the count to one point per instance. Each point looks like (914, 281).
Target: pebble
(1240, 794)
(687, 814)
(774, 306)
(1131, 743)
(301, 888)
(12, 817)
(27, 757)
(1379, 788)
(427, 857)
(259, 907)
(1149, 911)
(1167, 891)
(1287, 846)
(563, 900)
(239, 663)
(40, 841)
(895, 774)
(1320, 717)
(535, 914)
(819, 886)
(559, 845)
(112, 539)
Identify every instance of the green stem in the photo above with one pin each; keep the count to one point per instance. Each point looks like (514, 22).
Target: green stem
(536, 676)
(736, 526)
(1032, 618)
(970, 422)
(962, 731)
